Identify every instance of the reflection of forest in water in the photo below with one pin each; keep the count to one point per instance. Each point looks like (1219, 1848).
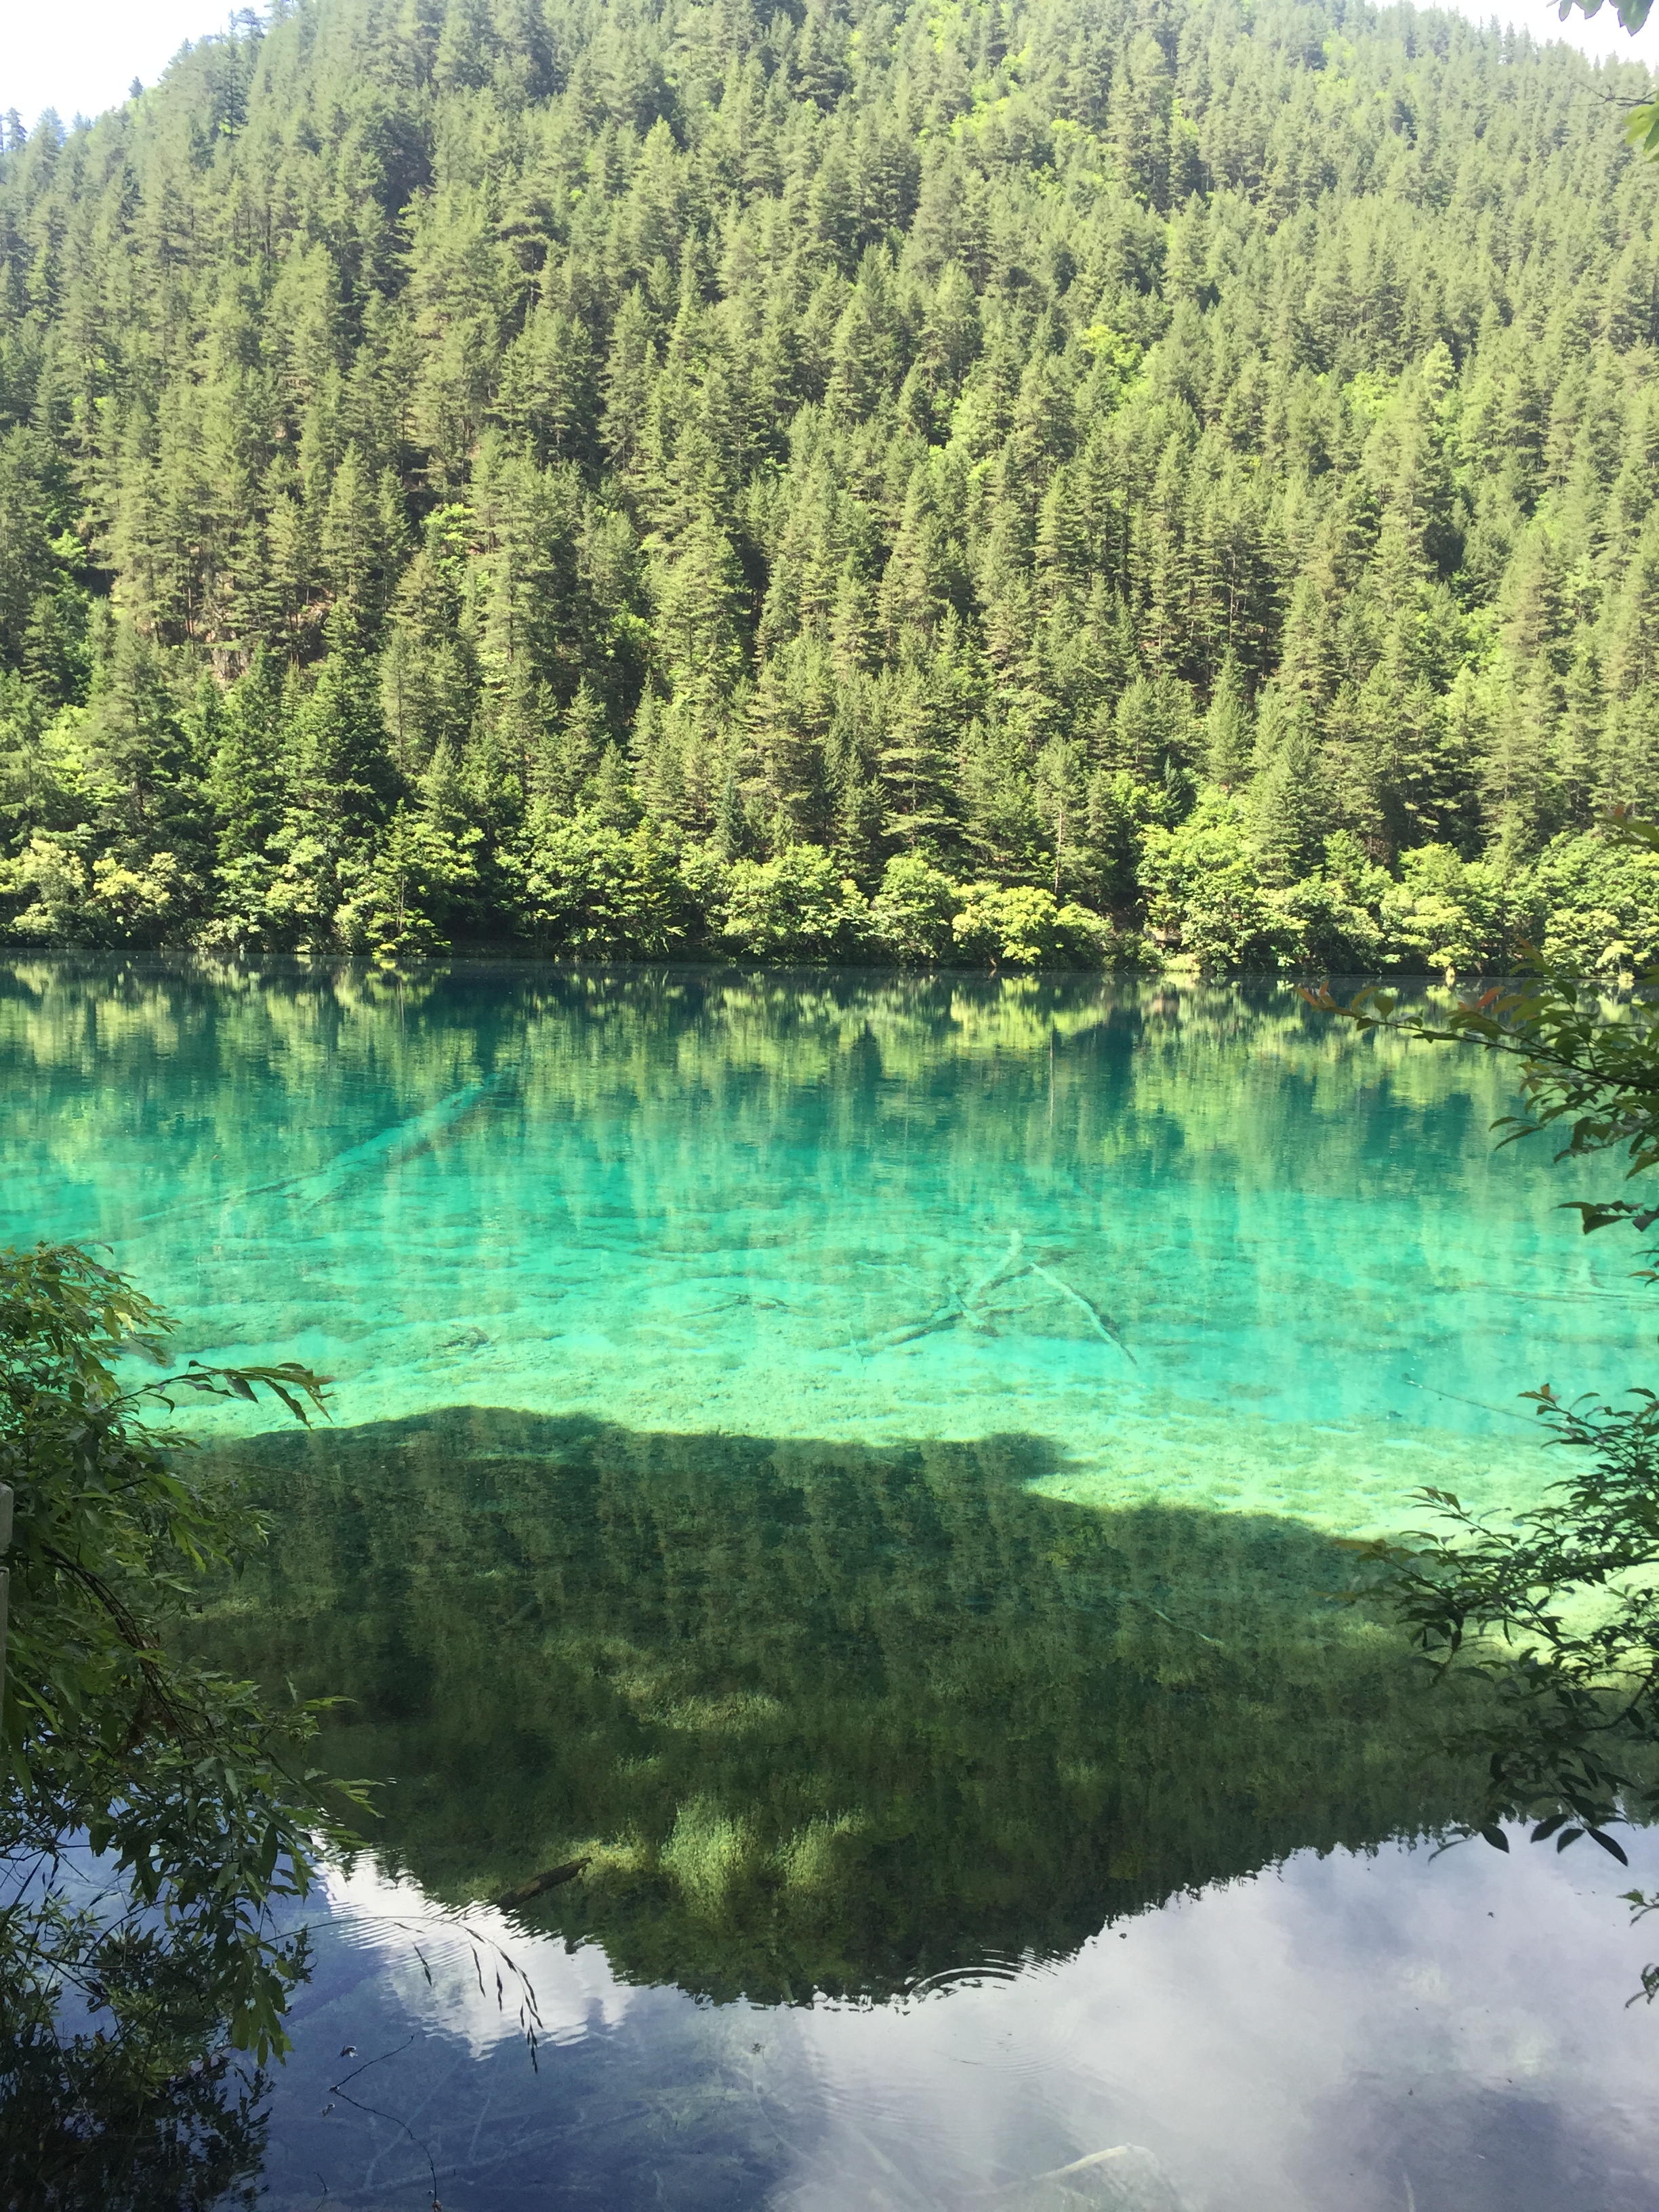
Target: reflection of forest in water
(1242, 1078)
(645, 1195)
(823, 1717)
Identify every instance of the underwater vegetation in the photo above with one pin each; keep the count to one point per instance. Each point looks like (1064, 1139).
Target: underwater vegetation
(816, 1716)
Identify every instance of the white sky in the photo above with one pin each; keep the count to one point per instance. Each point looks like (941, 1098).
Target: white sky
(80, 55)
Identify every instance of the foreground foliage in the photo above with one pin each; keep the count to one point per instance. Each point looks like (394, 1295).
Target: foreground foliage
(82, 2132)
(618, 480)
(154, 1813)
(1558, 1608)
(1552, 1608)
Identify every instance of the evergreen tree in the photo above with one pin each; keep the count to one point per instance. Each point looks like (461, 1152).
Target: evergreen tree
(1229, 732)
(991, 437)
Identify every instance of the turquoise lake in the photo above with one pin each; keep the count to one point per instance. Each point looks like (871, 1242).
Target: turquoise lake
(861, 1462)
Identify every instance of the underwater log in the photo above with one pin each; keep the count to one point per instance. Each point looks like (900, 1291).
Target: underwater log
(551, 1877)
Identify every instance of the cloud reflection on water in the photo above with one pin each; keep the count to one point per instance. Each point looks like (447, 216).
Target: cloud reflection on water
(1344, 2034)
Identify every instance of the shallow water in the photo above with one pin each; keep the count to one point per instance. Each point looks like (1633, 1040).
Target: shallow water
(857, 1461)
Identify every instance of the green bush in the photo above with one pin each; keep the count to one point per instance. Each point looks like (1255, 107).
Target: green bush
(910, 915)
(1321, 925)
(1024, 926)
(1207, 905)
(796, 906)
(598, 892)
(1448, 912)
(1601, 904)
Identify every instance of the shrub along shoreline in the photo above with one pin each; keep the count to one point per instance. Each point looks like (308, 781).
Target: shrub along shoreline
(588, 889)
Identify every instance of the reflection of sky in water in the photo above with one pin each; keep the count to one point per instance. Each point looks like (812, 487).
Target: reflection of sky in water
(1342, 2035)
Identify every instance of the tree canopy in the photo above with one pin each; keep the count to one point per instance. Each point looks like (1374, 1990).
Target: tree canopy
(631, 480)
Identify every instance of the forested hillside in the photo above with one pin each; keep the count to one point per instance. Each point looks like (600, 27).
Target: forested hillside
(1096, 479)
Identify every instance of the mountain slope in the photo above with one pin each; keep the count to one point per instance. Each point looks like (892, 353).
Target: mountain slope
(626, 477)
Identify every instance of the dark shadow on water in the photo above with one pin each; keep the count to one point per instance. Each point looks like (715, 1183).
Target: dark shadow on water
(75, 2137)
(825, 1716)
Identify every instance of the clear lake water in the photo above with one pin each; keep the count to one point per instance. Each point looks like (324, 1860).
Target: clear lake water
(862, 1464)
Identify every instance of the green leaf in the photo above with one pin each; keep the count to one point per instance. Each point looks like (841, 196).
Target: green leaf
(184, 1778)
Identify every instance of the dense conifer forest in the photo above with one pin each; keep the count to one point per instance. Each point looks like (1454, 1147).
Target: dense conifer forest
(1114, 481)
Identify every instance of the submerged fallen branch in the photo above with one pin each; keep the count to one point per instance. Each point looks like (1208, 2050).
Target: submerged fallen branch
(945, 1316)
(391, 1146)
(967, 1311)
(1180, 1627)
(1012, 1265)
(1103, 1322)
(312, 1187)
(551, 1877)
(1131, 2173)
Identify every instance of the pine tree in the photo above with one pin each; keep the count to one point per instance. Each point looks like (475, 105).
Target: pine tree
(1286, 821)
(913, 769)
(340, 773)
(507, 376)
(1229, 729)
(244, 781)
